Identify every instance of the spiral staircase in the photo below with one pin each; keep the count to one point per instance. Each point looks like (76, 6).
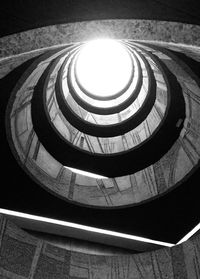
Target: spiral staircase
(119, 158)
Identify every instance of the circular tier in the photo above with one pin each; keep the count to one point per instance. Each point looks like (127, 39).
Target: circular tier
(135, 142)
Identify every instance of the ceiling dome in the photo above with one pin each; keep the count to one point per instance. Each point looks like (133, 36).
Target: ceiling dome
(103, 68)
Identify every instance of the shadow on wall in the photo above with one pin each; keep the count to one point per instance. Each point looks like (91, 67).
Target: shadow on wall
(24, 255)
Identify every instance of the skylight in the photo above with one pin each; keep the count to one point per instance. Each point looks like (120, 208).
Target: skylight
(104, 67)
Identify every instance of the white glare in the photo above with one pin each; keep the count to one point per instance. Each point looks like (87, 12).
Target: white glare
(89, 174)
(82, 227)
(103, 67)
(190, 234)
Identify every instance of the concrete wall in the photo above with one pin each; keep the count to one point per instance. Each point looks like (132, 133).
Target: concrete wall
(24, 256)
(85, 30)
(147, 183)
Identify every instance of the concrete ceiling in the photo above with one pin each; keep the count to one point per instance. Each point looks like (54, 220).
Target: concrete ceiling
(18, 16)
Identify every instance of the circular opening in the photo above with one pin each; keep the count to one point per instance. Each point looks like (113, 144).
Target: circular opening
(104, 67)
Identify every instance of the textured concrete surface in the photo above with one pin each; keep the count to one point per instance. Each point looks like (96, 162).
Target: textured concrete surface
(124, 190)
(85, 30)
(24, 256)
(181, 159)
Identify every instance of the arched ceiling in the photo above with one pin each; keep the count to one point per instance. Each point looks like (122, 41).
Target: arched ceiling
(24, 15)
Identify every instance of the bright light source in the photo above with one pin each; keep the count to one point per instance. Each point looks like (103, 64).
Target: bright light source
(104, 67)
(89, 174)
